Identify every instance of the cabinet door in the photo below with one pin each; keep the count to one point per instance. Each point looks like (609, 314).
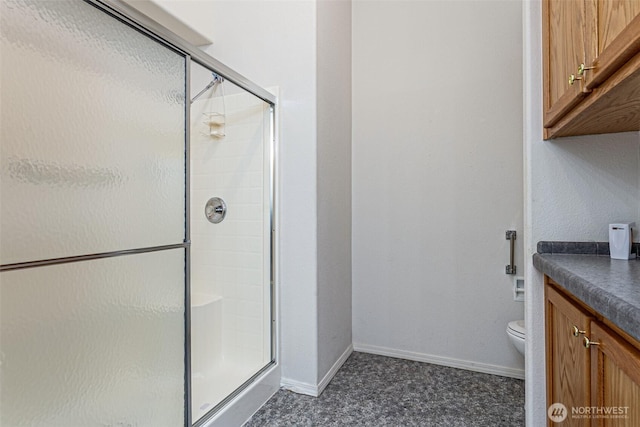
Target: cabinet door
(568, 369)
(615, 370)
(613, 37)
(563, 51)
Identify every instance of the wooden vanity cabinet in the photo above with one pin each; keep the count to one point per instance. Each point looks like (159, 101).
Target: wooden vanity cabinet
(590, 363)
(591, 66)
(615, 368)
(568, 362)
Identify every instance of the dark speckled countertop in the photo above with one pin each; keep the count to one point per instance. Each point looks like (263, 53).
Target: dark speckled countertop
(610, 287)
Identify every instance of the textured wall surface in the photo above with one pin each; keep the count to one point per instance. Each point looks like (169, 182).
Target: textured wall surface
(581, 184)
(437, 179)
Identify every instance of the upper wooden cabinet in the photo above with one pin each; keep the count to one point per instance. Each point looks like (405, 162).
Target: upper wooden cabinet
(615, 38)
(565, 41)
(591, 64)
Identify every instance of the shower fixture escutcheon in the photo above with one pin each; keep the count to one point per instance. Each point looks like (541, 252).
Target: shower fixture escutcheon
(215, 210)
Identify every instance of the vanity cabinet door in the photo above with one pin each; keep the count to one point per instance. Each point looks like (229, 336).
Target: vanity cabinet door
(615, 373)
(568, 361)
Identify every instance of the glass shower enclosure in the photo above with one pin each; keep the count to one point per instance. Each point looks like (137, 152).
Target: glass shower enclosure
(231, 309)
(136, 276)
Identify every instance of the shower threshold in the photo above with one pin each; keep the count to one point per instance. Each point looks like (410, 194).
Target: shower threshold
(212, 387)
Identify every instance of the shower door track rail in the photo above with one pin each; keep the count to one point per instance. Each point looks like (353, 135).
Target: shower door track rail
(88, 257)
(147, 25)
(206, 418)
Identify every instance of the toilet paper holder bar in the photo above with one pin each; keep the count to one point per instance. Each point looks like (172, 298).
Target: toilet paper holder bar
(511, 236)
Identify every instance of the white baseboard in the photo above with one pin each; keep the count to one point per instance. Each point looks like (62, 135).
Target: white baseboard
(316, 390)
(334, 369)
(299, 387)
(444, 361)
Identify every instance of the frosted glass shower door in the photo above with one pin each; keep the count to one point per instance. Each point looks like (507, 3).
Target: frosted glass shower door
(92, 220)
(93, 130)
(94, 343)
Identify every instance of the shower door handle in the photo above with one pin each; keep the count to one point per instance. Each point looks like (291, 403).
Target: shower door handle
(511, 236)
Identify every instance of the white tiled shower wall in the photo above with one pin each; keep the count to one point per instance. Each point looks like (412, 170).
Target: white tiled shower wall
(230, 259)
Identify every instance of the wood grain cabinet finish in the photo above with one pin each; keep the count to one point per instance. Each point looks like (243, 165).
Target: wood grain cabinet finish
(599, 381)
(565, 42)
(568, 362)
(615, 368)
(604, 37)
(614, 40)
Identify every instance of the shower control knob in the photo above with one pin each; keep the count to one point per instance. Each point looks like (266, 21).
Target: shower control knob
(215, 210)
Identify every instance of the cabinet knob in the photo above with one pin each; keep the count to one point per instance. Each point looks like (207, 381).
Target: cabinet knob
(573, 78)
(582, 69)
(576, 331)
(588, 343)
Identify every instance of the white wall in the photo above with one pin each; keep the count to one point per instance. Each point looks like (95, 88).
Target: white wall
(273, 43)
(334, 184)
(581, 184)
(574, 187)
(437, 179)
(187, 18)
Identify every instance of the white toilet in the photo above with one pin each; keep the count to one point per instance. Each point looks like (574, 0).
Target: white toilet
(516, 333)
